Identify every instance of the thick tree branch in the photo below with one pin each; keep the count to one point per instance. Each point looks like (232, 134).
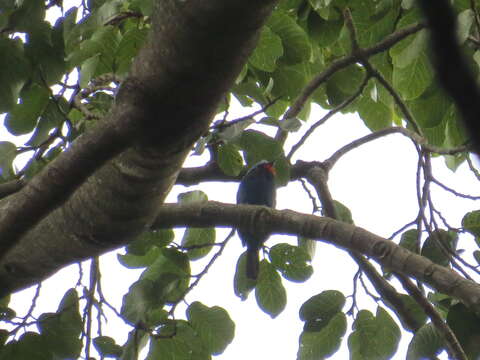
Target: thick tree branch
(194, 53)
(346, 236)
(317, 177)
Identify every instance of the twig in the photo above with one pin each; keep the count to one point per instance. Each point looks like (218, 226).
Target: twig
(29, 313)
(310, 195)
(326, 117)
(453, 345)
(417, 139)
(199, 276)
(454, 192)
(472, 167)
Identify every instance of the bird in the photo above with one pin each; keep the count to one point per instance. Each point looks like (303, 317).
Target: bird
(257, 187)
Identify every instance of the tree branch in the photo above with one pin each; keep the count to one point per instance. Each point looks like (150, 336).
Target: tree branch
(150, 129)
(331, 231)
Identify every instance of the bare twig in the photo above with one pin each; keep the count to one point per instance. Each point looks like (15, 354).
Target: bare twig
(327, 116)
(453, 345)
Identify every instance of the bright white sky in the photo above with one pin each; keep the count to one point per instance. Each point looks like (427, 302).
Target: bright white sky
(377, 183)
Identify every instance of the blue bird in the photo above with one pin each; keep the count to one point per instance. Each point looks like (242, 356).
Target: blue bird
(256, 188)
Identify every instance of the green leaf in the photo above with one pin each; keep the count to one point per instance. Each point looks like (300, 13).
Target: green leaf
(374, 337)
(427, 343)
(464, 24)
(146, 295)
(315, 345)
(139, 261)
(8, 152)
(242, 285)
(289, 80)
(106, 346)
(213, 325)
(320, 309)
(470, 222)
(259, 146)
(185, 344)
(14, 72)
(148, 239)
(137, 339)
(269, 49)
(292, 261)
(409, 240)
(197, 238)
(61, 330)
(270, 294)
(23, 117)
(323, 32)
(88, 69)
(295, 41)
(53, 117)
(343, 213)
(29, 346)
(375, 114)
(128, 48)
(192, 197)
(45, 50)
(170, 262)
(415, 311)
(455, 133)
(407, 51)
(466, 326)
(412, 80)
(432, 249)
(229, 159)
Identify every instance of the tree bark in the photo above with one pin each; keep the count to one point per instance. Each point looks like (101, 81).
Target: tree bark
(84, 203)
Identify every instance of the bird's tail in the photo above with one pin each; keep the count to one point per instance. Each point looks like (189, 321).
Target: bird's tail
(253, 263)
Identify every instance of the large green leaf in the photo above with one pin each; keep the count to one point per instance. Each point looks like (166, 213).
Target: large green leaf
(317, 345)
(412, 80)
(295, 41)
(198, 240)
(24, 115)
(374, 337)
(148, 239)
(242, 285)
(107, 347)
(320, 309)
(185, 344)
(146, 295)
(213, 325)
(438, 245)
(170, 262)
(466, 326)
(8, 152)
(61, 330)
(426, 343)
(471, 222)
(269, 292)
(269, 49)
(14, 72)
(292, 261)
(229, 159)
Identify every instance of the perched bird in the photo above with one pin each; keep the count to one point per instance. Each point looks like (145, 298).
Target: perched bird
(256, 188)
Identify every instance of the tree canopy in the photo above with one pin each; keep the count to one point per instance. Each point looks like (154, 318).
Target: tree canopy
(113, 96)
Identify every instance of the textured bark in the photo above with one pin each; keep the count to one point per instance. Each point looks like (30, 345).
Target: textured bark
(340, 234)
(84, 203)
